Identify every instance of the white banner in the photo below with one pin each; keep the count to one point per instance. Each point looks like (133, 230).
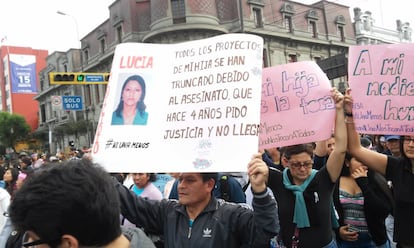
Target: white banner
(187, 107)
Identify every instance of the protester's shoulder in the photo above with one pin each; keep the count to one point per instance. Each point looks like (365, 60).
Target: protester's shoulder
(4, 194)
(397, 163)
(231, 207)
(322, 174)
(275, 170)
(154, 191)
(232, 180)
(137, 237)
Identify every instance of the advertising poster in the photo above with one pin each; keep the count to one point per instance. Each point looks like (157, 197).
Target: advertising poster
(23, 73)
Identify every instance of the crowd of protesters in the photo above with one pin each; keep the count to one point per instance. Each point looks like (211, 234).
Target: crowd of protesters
(351, 190)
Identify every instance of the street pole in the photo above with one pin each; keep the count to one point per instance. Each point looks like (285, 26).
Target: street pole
(76, 25)
(85, 114)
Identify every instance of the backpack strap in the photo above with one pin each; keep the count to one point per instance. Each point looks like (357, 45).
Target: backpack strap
(246, 186)
(225, 188)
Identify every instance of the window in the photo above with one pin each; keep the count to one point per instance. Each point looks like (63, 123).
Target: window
(312, 17)
(88, 95)
(119, 34)
(312, 29)
(288, 24)
(341, 32)
(258, 18)
(97, 99)
(265, 60)
(102, 47)
(42, 113)
(287, 10)
(340, 23)
(406, 34)
(178, 11)
(86, 55)
(293, 58)
(104, 86)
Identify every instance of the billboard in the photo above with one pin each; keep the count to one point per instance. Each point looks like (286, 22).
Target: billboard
(23, 73)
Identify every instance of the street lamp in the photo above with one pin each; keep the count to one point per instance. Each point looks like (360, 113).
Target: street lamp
(76, 24)
(77, 35)
(85, 114)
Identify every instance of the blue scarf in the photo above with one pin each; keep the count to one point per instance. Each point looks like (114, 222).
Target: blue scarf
(300, 216)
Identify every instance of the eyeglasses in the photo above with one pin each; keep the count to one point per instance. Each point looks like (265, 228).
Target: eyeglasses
(28, 243)
(307, 164)
(408, 139)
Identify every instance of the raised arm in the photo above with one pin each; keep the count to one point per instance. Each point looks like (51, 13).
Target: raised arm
(258, 173)
(320, 148)
(264, 225)
(374, 160)
(337, 156)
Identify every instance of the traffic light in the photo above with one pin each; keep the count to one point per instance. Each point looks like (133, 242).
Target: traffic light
(78, 78)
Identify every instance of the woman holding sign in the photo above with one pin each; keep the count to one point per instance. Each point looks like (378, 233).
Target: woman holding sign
(304, 194)
(399, 170)
(131, 107)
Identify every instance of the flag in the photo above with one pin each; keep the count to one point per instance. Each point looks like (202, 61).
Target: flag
(3, 39)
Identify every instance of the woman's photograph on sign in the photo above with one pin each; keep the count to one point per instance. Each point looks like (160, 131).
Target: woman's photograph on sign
(131, 107)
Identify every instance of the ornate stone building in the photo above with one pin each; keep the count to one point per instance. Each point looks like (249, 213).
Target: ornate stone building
(366, 32)
(291, 31)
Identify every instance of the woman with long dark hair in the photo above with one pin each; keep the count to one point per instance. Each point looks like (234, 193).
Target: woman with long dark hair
(363, 201)
(10, 178)
(131, 107)
(399, 170)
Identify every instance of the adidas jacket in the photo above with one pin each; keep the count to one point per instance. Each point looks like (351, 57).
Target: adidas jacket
(221, 224)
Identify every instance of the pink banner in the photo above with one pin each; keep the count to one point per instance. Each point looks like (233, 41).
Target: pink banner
(381, 79)
(296, 105)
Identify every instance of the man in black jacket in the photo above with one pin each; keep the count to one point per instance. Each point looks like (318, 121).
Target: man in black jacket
(200, 220)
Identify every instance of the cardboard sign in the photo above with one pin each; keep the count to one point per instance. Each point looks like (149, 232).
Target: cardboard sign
(296, 106)
(382, 82)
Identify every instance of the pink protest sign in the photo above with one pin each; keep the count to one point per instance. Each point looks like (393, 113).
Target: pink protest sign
(296, 105)
(381, 79)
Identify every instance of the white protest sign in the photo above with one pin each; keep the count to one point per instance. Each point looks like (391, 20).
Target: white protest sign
(198, 108)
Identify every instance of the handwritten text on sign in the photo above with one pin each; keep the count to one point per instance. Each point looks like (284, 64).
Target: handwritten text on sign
(382, 86)
(209, 89)
(297, 106)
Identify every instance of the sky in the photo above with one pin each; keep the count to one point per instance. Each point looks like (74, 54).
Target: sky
(36, 24)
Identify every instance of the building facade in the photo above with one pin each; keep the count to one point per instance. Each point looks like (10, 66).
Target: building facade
(291, 31)
(58, 127)
(19, 81)
(367, 32)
